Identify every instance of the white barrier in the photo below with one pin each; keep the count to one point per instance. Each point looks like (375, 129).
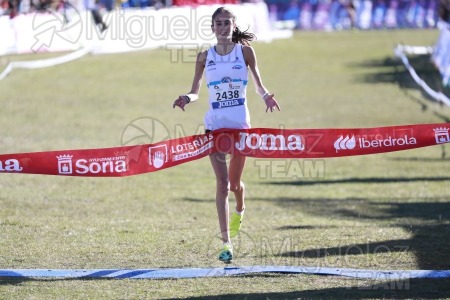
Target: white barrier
(7, 38)
(128, 30)
(401, 51)
(44, 63)
(441, 53)
(440, 56)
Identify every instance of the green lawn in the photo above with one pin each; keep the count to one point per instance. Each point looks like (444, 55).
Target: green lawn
(389, 211)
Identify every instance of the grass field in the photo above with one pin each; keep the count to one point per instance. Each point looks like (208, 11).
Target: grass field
(389, 211)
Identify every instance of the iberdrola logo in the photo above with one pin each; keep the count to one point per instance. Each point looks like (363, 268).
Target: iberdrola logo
(344, 143)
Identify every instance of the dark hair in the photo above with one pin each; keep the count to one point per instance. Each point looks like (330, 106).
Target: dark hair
(241, 37)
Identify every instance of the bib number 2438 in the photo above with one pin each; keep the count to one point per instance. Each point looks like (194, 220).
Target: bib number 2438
(228, 95)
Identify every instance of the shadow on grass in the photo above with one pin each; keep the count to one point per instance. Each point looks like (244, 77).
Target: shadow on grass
(14, 280)
(197, 200)
(358, 180)
(428, 243)
(421, 159)
(428, 223)
(392, 70)
(391, 289)
(20, 279)
(307, 227)
(402, 289)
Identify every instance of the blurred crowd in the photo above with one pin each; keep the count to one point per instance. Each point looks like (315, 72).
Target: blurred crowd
(362, 14)
(15, 7)
(444, 10)
(339, 14)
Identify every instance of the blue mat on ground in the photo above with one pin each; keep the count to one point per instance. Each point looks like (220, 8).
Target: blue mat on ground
(218, 272)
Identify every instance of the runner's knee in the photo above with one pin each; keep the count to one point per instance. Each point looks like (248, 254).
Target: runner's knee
(237, 186)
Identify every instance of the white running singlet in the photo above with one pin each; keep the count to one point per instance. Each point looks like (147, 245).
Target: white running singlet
(226, 79)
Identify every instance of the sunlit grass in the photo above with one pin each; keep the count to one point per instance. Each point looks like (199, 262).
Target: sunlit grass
(387, 211)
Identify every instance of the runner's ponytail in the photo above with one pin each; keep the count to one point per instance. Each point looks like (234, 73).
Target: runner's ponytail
(241, 37)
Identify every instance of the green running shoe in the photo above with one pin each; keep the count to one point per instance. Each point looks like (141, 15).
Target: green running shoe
(226, 254)
(235, 224)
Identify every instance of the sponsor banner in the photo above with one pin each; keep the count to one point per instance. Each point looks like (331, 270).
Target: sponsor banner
(323, 143)
(228, 103)
(256, 142)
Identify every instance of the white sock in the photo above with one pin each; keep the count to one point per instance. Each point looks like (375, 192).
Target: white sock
(241, 213)
(227, 244)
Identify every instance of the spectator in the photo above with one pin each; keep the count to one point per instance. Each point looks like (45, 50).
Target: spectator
(13, 8)
(3, 7)
(444, 10)
(349, 7)
(94, 8)
(292, 13)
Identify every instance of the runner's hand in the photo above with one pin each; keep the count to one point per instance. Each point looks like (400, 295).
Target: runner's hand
(180, 102)
(271, 103)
